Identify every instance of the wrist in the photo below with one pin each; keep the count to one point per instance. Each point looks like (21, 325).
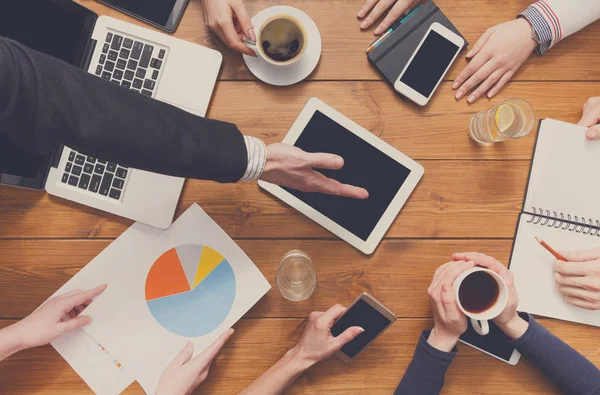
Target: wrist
(297, 360)
(11, 341)
(514, 328)
(529, 32)
(442, 340)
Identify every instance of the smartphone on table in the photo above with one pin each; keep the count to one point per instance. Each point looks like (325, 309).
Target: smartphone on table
(164, 14)
(369, 314)
(429, 64)
(495, 344)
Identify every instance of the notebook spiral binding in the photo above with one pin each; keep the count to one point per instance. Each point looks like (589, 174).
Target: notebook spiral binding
(565, 222)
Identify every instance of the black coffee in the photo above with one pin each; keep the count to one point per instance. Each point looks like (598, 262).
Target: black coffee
(282, 39)
(478, 292)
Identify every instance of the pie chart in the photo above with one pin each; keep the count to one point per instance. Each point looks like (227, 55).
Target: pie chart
(190, 290)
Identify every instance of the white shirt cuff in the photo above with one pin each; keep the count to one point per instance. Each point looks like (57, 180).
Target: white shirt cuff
(257, 158)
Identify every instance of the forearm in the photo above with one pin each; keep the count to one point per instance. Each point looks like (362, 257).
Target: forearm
(425, 374)
(46, 102)
(570, 371)
(10, 342)
(554, 20)
(279, 377)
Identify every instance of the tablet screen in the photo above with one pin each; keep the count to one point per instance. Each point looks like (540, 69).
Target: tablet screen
(364, 166)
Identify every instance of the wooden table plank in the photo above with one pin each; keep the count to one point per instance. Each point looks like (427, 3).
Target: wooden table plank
(454, 199)
(344, 44)
(397, 274)
(386, 360)
(438, 131)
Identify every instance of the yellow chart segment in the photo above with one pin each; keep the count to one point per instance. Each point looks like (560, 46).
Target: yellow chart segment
(209, 260)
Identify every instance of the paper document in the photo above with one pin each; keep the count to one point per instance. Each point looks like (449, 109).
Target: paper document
(191, 281)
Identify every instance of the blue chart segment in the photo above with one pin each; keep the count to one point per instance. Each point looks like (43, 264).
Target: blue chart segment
(197, 311)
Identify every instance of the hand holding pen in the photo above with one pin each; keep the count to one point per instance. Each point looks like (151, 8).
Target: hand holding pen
(577, 276)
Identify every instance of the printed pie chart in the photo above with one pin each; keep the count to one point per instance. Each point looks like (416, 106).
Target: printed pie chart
(190, 290)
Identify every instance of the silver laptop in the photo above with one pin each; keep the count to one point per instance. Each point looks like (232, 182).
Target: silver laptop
(150, 63)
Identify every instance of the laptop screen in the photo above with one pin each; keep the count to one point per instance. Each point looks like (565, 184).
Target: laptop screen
(59, 28)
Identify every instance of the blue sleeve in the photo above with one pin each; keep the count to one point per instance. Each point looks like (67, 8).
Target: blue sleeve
(425, 374)
(570, 371)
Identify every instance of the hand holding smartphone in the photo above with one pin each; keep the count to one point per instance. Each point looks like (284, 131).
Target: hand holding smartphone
(367, 313)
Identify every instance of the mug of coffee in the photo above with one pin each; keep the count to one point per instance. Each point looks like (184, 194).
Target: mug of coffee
(280, 40)
(481, 295)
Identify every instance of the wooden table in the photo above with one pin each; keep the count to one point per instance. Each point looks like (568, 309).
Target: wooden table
(469, 199)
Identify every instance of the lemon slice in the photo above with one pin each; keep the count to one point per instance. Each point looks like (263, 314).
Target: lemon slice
(505, 117)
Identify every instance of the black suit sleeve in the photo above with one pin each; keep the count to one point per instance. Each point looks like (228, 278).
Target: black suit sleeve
(45, 102)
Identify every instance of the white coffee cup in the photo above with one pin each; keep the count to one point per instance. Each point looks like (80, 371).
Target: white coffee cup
(258, 46)
(479, 320)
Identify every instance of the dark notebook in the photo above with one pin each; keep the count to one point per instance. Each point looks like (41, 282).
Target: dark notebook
(390, 57)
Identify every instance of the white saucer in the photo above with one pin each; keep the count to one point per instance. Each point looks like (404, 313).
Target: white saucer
(296, 72)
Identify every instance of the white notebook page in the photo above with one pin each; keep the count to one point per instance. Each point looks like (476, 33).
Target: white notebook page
(565, 177)
(534, 274)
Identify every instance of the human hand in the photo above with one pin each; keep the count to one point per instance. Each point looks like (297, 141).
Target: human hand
(291, 167)
(229, 20)
(449, 321)
(591, 118)
(495, 58)
(317, 343)
(378, 7)
(508, 321)
(56, 317)
(579, 278)
(184, 374)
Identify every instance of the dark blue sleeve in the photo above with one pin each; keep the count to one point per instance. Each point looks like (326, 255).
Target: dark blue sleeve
(425, 374)
(45, 102)
(570, 371)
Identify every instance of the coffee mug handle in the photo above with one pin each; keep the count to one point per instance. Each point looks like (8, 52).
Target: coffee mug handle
(482, 327)
(251, 44)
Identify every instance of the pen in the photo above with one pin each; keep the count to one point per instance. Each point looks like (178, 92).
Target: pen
(551, 250)
(375, 43)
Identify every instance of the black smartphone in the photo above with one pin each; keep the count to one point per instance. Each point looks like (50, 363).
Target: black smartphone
(367, 313)
(495, 343)
(164, 14)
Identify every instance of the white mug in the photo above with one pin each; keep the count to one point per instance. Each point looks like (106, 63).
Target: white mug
(258, 48)
(480, 320)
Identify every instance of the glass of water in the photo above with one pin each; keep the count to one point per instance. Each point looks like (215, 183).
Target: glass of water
(296, 278)
(511, 119)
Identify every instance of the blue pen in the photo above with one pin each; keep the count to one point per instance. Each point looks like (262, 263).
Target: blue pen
(389, 31)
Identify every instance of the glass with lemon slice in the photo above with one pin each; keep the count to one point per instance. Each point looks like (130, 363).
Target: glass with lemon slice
(511, 119)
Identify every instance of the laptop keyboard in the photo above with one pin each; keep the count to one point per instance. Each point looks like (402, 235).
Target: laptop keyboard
(97, 176)
(131, 63)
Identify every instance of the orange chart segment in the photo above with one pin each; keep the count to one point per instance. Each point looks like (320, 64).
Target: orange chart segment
(208, 262)
(166, 277)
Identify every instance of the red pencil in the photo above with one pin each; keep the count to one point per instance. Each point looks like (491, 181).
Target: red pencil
(551, 250)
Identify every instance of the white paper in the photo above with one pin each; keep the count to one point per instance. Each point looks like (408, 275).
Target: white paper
(122, 321)
(563, 176)
(533, 269)
(94, 364)
(100, 371)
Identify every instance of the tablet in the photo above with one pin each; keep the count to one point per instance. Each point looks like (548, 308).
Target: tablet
(369, 162)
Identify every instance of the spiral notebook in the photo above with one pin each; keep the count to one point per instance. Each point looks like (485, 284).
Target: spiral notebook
(561, 207)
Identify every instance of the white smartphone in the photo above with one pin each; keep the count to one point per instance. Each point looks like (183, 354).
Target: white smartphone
(429, 64)
(367, 313)
(495, 344)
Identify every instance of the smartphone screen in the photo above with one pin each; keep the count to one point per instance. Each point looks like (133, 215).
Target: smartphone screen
(495, 343)
(429, 64)
(366, 316)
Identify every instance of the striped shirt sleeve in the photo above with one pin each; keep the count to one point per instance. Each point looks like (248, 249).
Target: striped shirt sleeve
(257, 158)
(554, 20)
(545, 23)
